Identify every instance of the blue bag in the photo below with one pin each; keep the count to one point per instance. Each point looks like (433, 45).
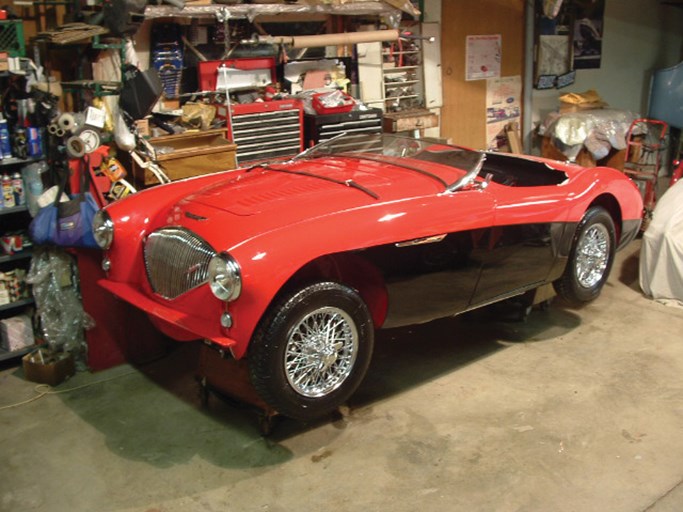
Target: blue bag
(69, 223)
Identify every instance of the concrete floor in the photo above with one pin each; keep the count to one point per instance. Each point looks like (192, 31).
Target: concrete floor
(573, 410)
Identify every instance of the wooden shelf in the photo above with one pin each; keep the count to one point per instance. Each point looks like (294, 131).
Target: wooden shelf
(406, 97)
(406, 52)
(399, 84)
(399, 70)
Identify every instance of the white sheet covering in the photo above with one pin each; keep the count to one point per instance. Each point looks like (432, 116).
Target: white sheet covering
(661, 254)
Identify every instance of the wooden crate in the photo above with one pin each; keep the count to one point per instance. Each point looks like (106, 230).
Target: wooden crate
(193, 154)
(409, 121)
(614, 159)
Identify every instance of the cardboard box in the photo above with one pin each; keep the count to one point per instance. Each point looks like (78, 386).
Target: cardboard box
(193, 153)
(16, 333)
(44, 368)
(409, 121)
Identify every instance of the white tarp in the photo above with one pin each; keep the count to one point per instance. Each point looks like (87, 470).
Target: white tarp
(661, 254)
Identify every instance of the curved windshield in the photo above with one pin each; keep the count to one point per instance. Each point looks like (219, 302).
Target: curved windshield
(396, 146)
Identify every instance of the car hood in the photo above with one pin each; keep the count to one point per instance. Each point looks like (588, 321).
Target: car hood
(310, 188)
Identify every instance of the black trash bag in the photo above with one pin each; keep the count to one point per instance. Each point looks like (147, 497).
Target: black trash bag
(123, 17)
(141, 90)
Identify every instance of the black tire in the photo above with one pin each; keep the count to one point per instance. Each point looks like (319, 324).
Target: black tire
(586, 273)
(279, 352)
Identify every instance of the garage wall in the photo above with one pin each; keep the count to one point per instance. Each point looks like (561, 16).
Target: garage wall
(640, 36)
(464, 103)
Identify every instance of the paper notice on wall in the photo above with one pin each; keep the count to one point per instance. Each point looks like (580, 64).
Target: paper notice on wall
(503, 106)
(483, 56)
(553, 55)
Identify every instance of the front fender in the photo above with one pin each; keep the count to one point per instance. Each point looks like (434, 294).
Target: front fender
(139, 214)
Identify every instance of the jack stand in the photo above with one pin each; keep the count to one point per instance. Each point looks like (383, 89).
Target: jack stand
(228, 378)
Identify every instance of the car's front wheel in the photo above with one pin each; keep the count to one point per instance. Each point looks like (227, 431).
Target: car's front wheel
(590, 259)
(312, 350)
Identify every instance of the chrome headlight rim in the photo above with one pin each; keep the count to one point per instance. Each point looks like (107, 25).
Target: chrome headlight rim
(103, 229)
(225, 277)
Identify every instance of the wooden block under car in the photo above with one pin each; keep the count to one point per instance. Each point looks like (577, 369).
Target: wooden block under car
(229, 377)
(410, 120)
(43, 368)
(189, 154)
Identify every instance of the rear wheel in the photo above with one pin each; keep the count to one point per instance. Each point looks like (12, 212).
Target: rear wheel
(590, 259)
(312, 350)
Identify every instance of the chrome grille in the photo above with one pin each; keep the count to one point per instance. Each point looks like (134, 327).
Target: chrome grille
(177, 261)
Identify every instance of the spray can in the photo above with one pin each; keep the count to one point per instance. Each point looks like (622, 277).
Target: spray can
(20, 149)
(5, 144)
(7, 191)
(18, 188)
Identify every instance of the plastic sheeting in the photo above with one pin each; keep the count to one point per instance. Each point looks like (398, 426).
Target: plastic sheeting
(666, 96)
(58, 302)
(598, 130)
(661, 254)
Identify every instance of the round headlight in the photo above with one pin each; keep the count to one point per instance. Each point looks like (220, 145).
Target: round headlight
(103, 229)
(224, 277)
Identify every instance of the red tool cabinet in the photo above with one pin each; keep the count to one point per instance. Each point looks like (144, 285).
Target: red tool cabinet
(264, 130)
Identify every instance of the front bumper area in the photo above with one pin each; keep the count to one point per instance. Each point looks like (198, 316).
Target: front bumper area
(184, 322)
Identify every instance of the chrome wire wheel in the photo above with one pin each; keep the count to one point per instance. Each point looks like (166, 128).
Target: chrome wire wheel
(311, 350)
(592, 255)
(321, 351)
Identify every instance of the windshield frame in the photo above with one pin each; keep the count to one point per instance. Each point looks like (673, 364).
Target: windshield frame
(386, 145)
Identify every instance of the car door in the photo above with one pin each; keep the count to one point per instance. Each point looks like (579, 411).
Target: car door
(523, 241)
(434, 275)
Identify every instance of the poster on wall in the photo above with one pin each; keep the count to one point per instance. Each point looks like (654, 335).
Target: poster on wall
(503, 106)
(553, 58)
(588, 28)
(553, 55)
(483, 56)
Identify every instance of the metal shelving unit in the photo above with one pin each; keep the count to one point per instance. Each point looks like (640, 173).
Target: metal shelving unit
(16, 305)
(26, 253)
(11, 219)
(392, 74)
(16, 161)
(6, 355)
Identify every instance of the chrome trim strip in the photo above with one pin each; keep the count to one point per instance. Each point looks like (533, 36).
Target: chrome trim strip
(421, 241)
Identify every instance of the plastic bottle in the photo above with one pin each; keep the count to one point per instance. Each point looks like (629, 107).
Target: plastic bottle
(33, 183)
(5, 144)
(8, 191)
(18, 188)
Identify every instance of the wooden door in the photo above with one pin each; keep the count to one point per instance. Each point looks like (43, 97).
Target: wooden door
(464, 111)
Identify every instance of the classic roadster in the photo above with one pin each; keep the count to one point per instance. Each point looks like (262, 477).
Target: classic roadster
(295, 263)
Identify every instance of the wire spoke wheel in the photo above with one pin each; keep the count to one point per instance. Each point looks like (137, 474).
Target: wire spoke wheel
(312, 350)
(590, 259)
(592, 255)
(320, 352)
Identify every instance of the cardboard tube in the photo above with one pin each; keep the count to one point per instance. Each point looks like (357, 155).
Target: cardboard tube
(344, 38)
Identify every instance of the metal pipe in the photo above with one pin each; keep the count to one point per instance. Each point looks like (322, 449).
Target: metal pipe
(344, 38)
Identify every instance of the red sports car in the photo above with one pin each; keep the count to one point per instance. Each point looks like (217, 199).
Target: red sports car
(295, 263)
